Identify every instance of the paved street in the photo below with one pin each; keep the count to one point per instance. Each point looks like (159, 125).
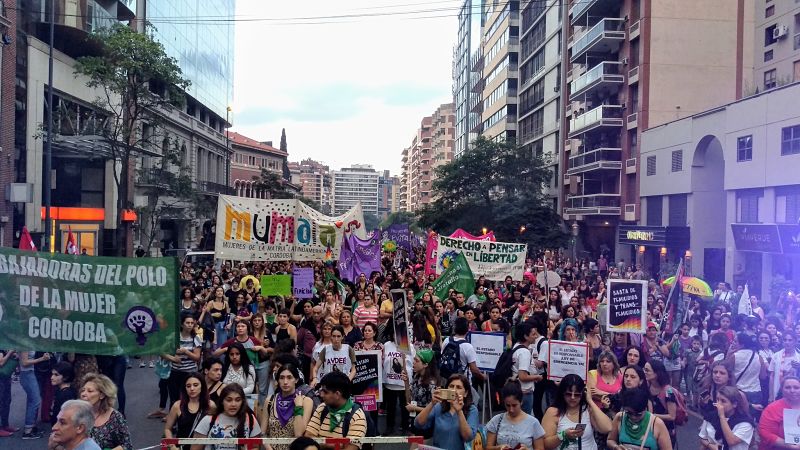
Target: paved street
(142, 393)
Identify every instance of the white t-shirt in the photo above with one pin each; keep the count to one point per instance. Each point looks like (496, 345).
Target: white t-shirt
(467, 352)
(521, 360)
(566, 297)
(535, 354)
(525, 432)
(743, 431)
(748, 376)
(225, 427)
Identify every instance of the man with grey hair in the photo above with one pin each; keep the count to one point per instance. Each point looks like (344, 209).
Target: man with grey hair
(72, 428)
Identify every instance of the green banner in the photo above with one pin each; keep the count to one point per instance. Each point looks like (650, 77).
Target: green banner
(272, 285)
(457, 276)
(88, 304)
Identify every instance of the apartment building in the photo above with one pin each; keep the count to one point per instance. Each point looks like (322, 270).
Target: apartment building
(354, 184)
(723, 175)
(632, 65)
(10, 212)
(388, 188)
(467, 76)
(402, 204)
(314, 181)
(248, 158)
(777, 44)
(540, 77)
(500, 68)
(419, 163)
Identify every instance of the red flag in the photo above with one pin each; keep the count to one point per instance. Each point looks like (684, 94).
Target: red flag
(72, 247)
(25, 240)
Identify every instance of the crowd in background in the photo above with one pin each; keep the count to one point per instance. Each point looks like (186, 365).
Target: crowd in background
(249, 365)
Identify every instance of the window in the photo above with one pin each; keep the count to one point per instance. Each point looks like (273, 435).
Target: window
(744, 148)
(768, 38)
(654, 211)
(651, 166)
(747, 206)
(678, 207)
(677, 160)
(633, 140)
(787, 204)
(768, 55)
(770, 11)
(790, 140)
(770, 79)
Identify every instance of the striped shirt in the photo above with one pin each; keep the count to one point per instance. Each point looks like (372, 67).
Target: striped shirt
(362, 315)
(357, 430)
(186, 364)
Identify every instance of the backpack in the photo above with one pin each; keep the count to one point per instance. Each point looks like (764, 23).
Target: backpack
(681, 415)
(703, 366)
(451, 359)
(372, 428)
(504, 369)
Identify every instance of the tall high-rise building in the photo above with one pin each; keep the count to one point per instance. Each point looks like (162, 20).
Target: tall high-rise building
(387, 194)
(633, 65)
(500, 54)
(314, 180)
(354, 184)
(431, 147)
(467, 78)
(777, 45)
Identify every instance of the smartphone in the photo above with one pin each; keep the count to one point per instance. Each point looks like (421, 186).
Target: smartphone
(580, 427)
(447, 394)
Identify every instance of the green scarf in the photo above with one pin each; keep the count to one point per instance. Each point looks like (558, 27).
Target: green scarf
(335, 416)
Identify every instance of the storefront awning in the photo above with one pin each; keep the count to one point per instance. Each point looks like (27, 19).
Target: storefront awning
(767, 238)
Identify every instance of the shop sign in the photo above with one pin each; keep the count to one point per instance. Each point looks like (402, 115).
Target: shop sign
(790, 239)
(642, 235)
(756, 237)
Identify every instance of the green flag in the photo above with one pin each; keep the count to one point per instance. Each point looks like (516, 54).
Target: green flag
(457, 276)
(339, 284)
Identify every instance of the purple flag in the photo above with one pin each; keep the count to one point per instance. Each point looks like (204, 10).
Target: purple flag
(359, 256)
(401, 235)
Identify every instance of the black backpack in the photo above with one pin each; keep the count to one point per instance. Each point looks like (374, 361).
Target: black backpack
(372, 428)
(450, 363)
(504, 371)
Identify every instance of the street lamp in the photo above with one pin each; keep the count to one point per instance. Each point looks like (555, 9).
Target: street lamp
(687, 263)
(484, 230)
(575, 230)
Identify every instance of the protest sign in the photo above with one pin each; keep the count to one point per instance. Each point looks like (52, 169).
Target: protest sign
(400, 316)
(88, 304)
(251, 229)
(400, 234)
(433, 242)
(489, 347)
(272, 285)
(303, 282)
(791, 426)
(627, 306)
(369, 375)
(494, 260)
(566, 358)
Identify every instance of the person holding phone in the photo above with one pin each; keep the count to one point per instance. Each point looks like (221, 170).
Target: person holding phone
(514, 429)
(451, 413)
(571, 422)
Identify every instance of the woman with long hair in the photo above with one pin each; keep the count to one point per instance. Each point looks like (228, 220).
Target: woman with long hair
(662, 396)
(606, 380)
(632, 378)
(238, 369)
(636, 427)
(514, 429)
(110, 427)
(424, 381)
(732, 427)
(452, 415)
(770, 426)
(186, 357)
(634, 357)
(568, 330)
(351, 333)
(619, 343)
(234, 420)
(370, 334)
(572, 420)
(218, 309)
(186, 413)
(553, 306)
(324, 341)
(288, 411)
(591, 335)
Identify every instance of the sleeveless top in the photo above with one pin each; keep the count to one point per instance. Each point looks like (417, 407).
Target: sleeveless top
(185, 422)
(281, 334)
(587, 439)
(336, 360)
(213, 395)
(218, 315)
(651, 443)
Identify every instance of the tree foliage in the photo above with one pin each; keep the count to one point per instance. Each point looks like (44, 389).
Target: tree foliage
(401, 217)
(275, 187)
(497, 186)
(137, 81)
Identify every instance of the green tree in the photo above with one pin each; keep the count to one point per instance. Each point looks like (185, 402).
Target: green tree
(401, 217)
(497, 186)
(371, 221)
(273, 184)
(138, 81)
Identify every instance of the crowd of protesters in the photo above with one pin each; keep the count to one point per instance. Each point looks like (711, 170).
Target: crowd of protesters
(248, 365)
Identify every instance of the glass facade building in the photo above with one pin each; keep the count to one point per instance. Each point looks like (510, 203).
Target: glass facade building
(200, 35)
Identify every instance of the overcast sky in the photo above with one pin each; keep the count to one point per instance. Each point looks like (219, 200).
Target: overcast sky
(349, 91)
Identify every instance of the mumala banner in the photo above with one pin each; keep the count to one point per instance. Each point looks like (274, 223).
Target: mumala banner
(251, 229)
(627, 306)
(88, 304)
(494, 260)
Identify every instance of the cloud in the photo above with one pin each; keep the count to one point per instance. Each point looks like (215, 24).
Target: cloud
(346, 93)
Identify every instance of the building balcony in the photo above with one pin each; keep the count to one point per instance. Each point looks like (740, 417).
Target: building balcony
(605, 77)
(605, 37)
(209, 187)
(593, 205)
(150, 177)
(598, 159)
(592, 8)
(634, 30)
(604, 116)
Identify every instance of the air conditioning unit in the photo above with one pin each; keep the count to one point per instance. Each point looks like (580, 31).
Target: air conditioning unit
(780, 31)
(625, 61)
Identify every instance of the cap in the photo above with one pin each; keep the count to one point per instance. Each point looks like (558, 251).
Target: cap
(652, 325)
